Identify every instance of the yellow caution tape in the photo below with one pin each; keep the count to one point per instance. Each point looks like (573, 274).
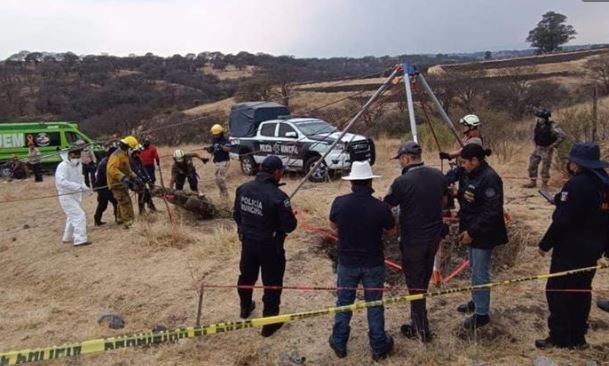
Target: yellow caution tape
(173, 335)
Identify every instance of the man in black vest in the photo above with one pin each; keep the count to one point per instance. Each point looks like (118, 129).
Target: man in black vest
(264, 217)
(547, 137)
(578, 237)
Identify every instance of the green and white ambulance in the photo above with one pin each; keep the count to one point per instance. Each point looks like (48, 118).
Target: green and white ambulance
(49, 137)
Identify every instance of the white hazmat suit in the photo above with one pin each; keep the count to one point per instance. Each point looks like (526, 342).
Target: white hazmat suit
(70, 186)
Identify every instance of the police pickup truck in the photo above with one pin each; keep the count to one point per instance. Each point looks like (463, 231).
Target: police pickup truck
(259, 129)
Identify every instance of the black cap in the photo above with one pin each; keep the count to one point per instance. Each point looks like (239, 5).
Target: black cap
(471, 151)
(271, 164)
(410, 148)
(543, 113)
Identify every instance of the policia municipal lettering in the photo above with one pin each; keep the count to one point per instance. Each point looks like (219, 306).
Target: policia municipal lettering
(264, 217)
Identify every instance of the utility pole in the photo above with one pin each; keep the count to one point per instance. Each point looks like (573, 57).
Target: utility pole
(594, 113)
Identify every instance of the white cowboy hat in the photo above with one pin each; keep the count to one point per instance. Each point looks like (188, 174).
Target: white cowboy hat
(361, 170)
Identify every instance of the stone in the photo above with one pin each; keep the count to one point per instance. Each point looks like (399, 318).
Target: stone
(112, 318)
(544, 361)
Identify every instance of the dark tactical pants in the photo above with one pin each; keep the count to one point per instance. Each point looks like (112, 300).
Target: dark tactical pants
(417, 262)
(104, 196)
(568, 320)
(269, 259)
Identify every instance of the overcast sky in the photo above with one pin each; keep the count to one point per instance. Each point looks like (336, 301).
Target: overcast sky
(303, 28)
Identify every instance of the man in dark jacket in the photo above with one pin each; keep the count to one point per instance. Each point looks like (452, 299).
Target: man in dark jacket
(421, 194)
(104, 194)
(482, 226)
(578, 236)
(144, 197)
(264, 217)
(360, 219)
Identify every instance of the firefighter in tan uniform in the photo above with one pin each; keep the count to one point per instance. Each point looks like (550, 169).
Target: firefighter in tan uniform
(120, 177)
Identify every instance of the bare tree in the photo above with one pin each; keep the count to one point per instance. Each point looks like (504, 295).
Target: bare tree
(598, 68)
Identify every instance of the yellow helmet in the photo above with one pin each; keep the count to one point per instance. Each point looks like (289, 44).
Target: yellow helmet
(131, 141)
(217, 129)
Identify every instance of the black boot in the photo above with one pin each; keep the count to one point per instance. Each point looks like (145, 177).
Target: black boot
(380, 356)
(603, 305)
(268, 330)
(410, 332)
(246, 312)
(468, 307)
(544, 343)
(476, 321)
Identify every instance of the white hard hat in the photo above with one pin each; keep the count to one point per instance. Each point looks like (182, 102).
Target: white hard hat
(178, 155)
(470, 120)
(361, 170)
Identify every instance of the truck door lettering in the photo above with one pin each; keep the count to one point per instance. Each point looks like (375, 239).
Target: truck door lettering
(12, 140)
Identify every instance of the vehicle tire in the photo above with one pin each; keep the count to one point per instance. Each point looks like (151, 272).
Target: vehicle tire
(5, 171)
(372, 152)
(248, 165)
(322, 172)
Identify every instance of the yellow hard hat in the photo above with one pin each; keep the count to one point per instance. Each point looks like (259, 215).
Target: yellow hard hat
(217, 129)
(131, 141)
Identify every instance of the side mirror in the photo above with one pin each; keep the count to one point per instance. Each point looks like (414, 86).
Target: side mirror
(291, 134)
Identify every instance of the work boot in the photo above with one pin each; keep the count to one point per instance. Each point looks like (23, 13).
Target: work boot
(381, 356)
(603, 305)
(410, 332)
(531, 184)
(468, 307)
(476, 321)
(99, 223)
(268, 330)
(246, 312)
(340, 353)
(544, 343)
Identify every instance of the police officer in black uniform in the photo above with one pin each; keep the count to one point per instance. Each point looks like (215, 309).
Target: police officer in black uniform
(482, 226)
(264, 217)
(578, 235)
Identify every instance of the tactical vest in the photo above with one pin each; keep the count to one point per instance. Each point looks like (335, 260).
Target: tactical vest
(544, 134)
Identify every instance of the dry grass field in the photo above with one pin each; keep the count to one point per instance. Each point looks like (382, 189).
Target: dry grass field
(52, 293)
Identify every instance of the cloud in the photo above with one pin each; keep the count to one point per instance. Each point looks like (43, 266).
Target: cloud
(297, 27)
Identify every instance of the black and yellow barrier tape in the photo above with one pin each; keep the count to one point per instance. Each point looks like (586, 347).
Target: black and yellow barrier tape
(167, 336)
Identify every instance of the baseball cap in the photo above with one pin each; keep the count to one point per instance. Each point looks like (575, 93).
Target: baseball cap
(272, 163)
(471, 151)
(410, 148)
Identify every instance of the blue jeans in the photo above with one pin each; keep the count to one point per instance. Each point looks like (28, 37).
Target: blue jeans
(480, 263)
(370, 277)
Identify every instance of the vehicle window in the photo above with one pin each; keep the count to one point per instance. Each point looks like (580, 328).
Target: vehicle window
(285, 128)
(315, 127)
(72, 137)
(44, 139)
(268, 129)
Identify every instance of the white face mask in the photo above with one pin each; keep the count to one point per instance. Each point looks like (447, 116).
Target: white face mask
(74, 161)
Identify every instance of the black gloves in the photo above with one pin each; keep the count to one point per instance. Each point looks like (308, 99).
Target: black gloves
(444, 156)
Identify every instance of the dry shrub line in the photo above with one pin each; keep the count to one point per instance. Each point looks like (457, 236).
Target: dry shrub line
(170, 336)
